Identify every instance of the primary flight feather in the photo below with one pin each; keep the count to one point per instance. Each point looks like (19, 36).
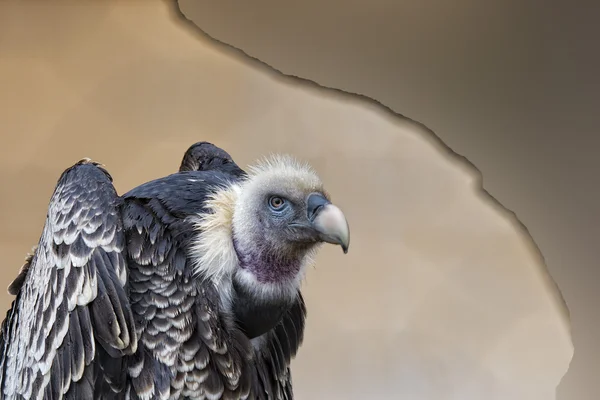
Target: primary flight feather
(186, 287)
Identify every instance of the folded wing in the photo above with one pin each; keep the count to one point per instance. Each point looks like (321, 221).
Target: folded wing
(71, 322)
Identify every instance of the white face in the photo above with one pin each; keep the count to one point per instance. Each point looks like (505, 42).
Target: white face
(281, 217)
(276, 214)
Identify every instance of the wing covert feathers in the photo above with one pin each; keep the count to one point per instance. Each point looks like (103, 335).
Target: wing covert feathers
(71, 297)
(187, 348)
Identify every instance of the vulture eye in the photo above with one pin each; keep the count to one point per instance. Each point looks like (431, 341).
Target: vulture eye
(276, 202)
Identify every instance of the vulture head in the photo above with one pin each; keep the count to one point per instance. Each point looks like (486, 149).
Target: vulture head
(263, 231)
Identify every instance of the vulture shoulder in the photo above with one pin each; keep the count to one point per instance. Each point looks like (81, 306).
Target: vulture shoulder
(71, 316)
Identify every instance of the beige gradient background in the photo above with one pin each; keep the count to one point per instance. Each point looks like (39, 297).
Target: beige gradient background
(443, 296)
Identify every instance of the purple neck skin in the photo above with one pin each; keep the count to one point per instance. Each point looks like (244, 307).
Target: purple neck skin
(266, 265)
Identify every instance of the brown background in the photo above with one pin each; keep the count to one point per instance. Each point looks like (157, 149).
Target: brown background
(511, 85)
(109, 82)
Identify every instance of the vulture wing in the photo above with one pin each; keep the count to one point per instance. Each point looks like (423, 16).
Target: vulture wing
(205, 156)
(185, 350)
(71, 323)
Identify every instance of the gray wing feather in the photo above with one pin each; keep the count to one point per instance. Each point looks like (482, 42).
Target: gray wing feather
(71, 299)
(188, 348)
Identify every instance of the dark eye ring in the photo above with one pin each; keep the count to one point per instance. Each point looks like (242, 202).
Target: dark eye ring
(276, 202)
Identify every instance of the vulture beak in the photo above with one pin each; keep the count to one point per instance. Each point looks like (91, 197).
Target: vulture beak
(328, 220)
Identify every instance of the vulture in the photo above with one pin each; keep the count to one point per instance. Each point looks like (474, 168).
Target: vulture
(185, 287)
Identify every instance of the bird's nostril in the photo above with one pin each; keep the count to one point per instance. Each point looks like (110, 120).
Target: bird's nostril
(314, 204)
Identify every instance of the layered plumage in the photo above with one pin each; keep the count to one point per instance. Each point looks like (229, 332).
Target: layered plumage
(186, 287)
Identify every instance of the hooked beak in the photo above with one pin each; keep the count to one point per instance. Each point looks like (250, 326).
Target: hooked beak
(329, 221)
